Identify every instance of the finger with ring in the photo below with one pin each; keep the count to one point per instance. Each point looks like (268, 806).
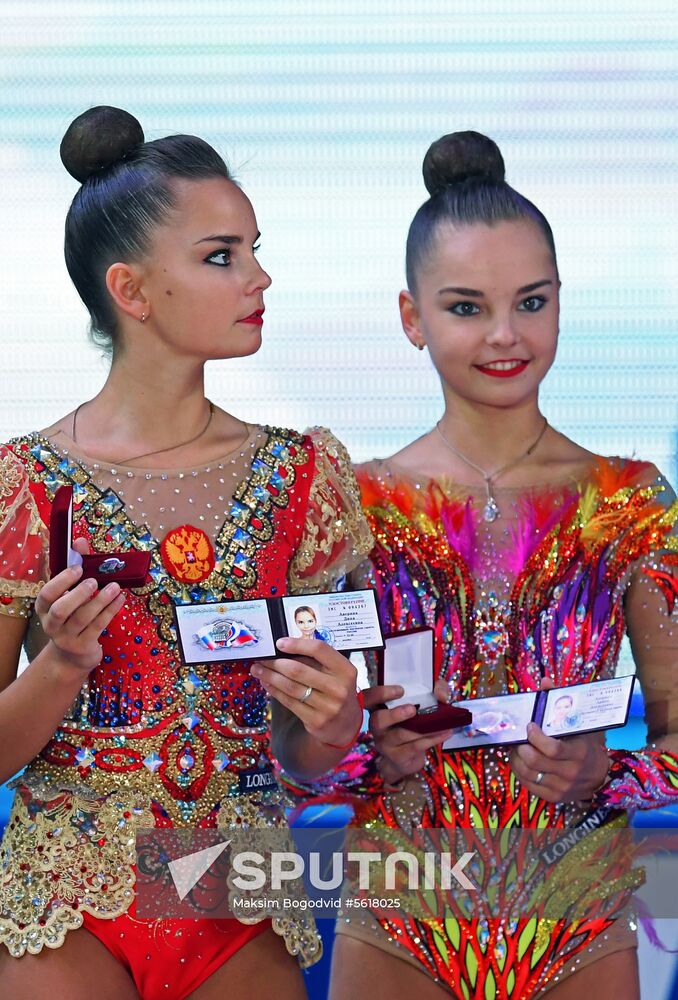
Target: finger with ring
(307, 694)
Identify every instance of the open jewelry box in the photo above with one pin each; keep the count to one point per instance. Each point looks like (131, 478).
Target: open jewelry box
(407, 660)
(128, 569)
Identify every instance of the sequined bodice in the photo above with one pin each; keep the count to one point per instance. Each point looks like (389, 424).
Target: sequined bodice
(535, 592)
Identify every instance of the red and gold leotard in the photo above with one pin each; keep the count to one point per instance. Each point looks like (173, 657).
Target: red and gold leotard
(151, 741)
(546, 589)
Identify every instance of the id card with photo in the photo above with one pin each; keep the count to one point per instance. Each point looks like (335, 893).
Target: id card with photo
(583, 708)
(347, 620)
(249, 630)
(563, 711)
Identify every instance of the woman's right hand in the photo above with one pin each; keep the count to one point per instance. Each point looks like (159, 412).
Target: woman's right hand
(73, 615)
(402, 751)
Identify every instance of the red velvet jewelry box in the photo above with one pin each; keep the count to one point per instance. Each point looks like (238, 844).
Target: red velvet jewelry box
(407, 660)
(129, 569)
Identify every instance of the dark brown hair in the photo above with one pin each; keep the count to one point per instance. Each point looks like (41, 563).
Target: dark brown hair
(126, 192)
(464, 175)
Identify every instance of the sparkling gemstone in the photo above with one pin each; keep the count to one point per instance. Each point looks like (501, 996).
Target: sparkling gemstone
(52, 482)
(40, 453)
(239, 510)
(192, 683)
(111, 502)
(490, 511)
(119, 534)
(491, 637)
(152, 762)
(186, 761)
(221, 761)
(79, 493)
(84, 757)
(191, 720)
(67, 467)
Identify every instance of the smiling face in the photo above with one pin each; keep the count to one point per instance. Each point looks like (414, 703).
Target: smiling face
(562, 707)
(306, 623)
(486, 306)
(201, 279)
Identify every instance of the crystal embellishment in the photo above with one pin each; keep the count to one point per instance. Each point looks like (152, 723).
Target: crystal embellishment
(490, 511)
(152, 762)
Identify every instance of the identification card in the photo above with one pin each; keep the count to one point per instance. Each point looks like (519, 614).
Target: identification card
(246, 630)
(564, 711)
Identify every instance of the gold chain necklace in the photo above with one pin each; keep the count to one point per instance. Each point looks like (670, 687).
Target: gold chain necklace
(158, 451)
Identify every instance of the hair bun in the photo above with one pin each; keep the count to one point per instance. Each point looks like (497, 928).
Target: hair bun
(459, 156)
(97, 138)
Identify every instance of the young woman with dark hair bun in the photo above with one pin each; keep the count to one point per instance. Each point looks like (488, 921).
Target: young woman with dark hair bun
(529, 556)
(115, 732)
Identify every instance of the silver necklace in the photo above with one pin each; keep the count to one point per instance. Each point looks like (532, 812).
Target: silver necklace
(491, 510)
(158, 451)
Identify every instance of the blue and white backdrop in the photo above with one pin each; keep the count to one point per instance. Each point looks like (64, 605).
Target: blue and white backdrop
(324, 111)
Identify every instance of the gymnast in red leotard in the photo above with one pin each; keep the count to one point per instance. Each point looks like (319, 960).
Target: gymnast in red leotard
(114, 731)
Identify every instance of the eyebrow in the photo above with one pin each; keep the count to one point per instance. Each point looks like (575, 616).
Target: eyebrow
(219, 238)
(473, 293)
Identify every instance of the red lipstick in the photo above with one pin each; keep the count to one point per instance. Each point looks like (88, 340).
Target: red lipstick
(518, 366)
(255, 319)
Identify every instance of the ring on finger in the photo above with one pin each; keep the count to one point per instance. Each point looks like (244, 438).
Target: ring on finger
(540, 777)
(307, 694)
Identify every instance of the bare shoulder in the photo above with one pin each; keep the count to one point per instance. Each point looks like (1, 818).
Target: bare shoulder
(61, 426)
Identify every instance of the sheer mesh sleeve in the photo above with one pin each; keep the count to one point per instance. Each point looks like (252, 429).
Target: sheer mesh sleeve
(649, 777)
(335, 535)
(23, 540)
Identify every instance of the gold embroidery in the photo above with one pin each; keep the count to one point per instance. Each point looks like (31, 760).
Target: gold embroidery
(10, 476)
(333, 516)
(74, 852)
(148, 765)
(69, 855)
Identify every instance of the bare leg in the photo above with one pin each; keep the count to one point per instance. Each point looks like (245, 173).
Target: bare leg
(81, 969)
(360, 970)
(261, 969)
(609, 978)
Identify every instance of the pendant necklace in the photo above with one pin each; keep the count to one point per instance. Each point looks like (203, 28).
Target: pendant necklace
(491, 510)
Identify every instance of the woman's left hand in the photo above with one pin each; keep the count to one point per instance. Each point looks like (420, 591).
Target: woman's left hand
(571, 768)
(568, 769)
(319, 688)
